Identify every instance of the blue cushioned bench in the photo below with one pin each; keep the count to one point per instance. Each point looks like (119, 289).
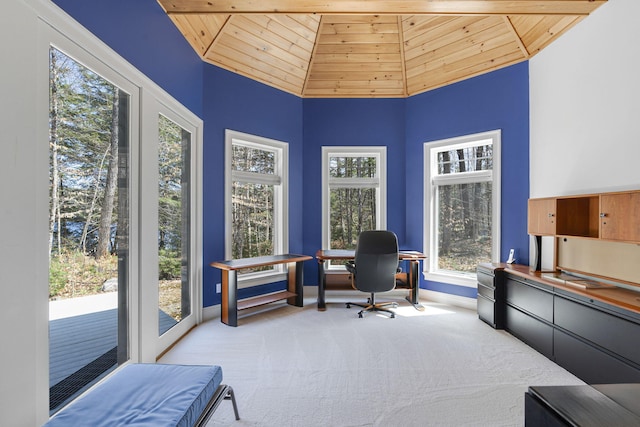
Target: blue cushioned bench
(150, 395)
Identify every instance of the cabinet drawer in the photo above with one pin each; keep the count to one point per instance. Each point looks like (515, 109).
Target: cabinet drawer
(489, 312)
(533, 332)
(590, 364)
(605, 330)
(487, 292)
(485, 279)
(530, 299)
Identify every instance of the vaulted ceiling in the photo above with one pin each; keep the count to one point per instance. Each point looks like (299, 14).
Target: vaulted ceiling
(370, 48)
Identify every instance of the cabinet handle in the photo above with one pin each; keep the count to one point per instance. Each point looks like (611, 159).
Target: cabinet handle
(603, 215)
(551, 215)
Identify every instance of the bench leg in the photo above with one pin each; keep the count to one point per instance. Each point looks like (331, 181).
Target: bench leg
(223, 392)
(231, 396)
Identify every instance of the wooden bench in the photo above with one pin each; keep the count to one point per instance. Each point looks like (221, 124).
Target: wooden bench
(150, 394)
(229, 288)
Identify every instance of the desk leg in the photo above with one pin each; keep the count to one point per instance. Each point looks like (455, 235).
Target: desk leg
(295, 283)
(229, 309)
(321, 286)
(414, 267)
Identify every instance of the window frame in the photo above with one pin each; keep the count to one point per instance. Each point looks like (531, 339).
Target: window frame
(379, 183)
(162, 105)
(431, 181)
(280, 180)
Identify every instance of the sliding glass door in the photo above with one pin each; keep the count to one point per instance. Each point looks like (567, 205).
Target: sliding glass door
(88, 227)
(123, 216)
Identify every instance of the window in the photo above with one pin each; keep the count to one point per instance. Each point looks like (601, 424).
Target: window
(174, 223)
(257, 203)
(354, 194)
(462, 205)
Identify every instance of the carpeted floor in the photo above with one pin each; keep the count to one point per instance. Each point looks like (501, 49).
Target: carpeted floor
(299, 367)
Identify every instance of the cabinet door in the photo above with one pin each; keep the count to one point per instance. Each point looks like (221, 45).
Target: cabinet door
(530, 299)
(536, 334)
(602, 329)
(620, 216)
(589, 363)
(542, 217)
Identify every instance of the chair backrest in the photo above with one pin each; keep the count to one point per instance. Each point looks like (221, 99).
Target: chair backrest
(376, 261)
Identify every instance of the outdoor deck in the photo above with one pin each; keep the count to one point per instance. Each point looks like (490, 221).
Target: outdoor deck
(83, 339)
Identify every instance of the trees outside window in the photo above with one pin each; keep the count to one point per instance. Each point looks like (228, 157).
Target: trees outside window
(462, 204)
(257, 202)
(174, 223)
(354, 194)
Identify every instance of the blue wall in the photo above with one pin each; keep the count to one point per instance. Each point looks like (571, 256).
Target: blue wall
(498, 100)
(237, 103)
(351, 122)
(141, 32)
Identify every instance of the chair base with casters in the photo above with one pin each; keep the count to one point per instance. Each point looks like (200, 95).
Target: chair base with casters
(371, 305)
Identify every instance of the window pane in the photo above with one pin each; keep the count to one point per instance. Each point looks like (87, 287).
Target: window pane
(464, 226)
(88, 227)
(253, 221)
(173, 223)
(352, 167)
(352, 211)
(248, 159)
(477, 158)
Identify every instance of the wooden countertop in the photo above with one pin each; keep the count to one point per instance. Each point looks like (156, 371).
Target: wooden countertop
(238, 264)
(617, 296)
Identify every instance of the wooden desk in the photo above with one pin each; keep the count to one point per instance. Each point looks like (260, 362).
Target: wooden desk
(230, 304)
(413, 257)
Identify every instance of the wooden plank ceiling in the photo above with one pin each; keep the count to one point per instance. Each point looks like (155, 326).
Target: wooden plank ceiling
(369, 48)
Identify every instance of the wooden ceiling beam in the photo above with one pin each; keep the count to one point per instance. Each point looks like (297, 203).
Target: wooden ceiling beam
(516, 37)
(388, 7)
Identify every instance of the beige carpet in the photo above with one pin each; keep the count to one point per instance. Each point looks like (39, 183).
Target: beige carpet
(296, 366)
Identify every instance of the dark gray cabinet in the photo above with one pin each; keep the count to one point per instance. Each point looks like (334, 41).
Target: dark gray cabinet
(490, 295)
(599, 328)
(537, 334)
(534, 298)
(592, 364)
(529, 313)
(596, 341)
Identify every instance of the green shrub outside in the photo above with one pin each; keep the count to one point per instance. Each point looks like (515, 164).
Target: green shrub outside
(58, 277)
(169, 264)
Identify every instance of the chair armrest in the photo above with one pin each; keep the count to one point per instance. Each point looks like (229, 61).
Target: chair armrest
(351, 267)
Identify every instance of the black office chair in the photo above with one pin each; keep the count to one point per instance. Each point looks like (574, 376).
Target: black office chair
(374, 268)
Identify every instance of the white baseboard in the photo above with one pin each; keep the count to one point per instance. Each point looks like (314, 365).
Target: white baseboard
(455, 300)
(311, 293)
(211, 312)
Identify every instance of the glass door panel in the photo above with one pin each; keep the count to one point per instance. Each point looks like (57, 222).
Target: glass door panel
(174, 223)
(88, 227)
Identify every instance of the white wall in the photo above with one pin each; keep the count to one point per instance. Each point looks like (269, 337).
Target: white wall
(23, 255)
(585, 109)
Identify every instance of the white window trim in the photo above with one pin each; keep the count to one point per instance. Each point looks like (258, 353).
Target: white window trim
(380, 183)
(430, 248)
(280, 179)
